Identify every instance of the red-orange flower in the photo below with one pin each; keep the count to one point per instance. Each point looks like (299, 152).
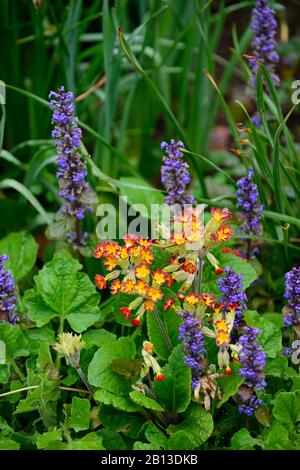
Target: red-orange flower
(154, 294)
(135, 322)
(149, 305)
(125, 312)
(160, 377)
(115, 286)
(220, 215)
(142, 271)
(223, 233)
(100, 281)
(169, 303)
(127, 286)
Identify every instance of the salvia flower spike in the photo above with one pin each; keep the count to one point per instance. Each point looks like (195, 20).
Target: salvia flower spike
(292, 295)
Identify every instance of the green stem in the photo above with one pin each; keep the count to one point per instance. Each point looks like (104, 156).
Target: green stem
(200, 275)
(163, 331)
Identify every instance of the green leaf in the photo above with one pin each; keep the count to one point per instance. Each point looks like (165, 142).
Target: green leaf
(277, 438)
(97, 338)
(270, 337)
(197, 427)
(138, 445)
(141, 400)
(15, 341)
(80, 414)
(155, 436)
(287, 408)
(4, 373)
(239, 265)
(242, 440)
(119, 402)
(174, 392)
(90, 441)
(45, 440)
(171, 322)
(21, 248)
(126, 367)
(140, 194)
(61, 291)
(276, 367)
(229, 384)
(8, 444)
(99, 372)
(112, 440)
(128, 423)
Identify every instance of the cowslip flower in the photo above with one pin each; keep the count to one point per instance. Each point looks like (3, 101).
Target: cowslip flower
(175, 174)
(253, 361)
(193, 340)
(71, 174)
(264, 27)
(8, 297)
(231, 288)
(292, 295)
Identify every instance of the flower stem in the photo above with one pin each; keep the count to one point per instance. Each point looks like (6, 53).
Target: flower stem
(163, 331)
(84, 380)
(200, 274)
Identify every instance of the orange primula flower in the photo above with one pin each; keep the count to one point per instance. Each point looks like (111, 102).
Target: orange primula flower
(123, 252)
(220, 215)
(110, 263)
(189, 267)
(154, 294)
(149, 305)
(208, 299)
(111, 248)
(191, 298)
(127, 286)
(99, 250)
(223, 233)
(159, 277)
(141, 287)
(100, 281)
(115, 286)
(222, 338)
(146, 255)
(142, 271)
(221, 325)
(125, 312)
(169, 303)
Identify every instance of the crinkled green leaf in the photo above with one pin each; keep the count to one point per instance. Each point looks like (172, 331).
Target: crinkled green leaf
(239, 265)
(99, 372)
(229, 384)
(61, 291)
(119, 402)
(21, 248)
(242, 440)
(270, 337)
(287, 407)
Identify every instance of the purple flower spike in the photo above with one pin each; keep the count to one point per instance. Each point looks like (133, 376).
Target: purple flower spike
(264, 27)
(175, 174)
(292, 295)
(71, 172)
(8, 297)
(193, 345)
(231, 288)
(251, 209)
(253, 361)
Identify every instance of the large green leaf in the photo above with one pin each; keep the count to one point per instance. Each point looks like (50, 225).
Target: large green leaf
(193, 431)
(277, 438)
(144, 401)
(61, 291)
(21, 248)
(15, 341)
(270, 338)
(171, 323)
(101, 375)
(117, 401)
(287, 408)
(174, 392)
(242, 440)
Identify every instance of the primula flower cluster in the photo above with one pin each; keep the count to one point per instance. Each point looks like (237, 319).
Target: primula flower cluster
(130, 273)
(8, 297)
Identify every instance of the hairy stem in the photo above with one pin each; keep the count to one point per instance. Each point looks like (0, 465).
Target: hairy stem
(163, 331)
